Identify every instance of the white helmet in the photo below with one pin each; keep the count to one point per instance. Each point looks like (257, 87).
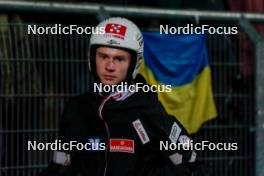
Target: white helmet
(119, 33)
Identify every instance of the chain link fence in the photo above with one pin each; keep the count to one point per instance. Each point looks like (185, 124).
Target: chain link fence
(38, 73)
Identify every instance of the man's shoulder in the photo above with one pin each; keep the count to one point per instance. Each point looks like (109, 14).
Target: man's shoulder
(82, 99)
(147, 99)
(79, 106)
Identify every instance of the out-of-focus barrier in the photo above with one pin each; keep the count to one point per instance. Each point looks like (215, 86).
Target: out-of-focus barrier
(38, 73)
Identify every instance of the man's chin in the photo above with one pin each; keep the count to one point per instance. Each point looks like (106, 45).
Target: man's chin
(106, 82)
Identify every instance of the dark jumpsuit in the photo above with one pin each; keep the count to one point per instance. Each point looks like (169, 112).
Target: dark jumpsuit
(132, 127)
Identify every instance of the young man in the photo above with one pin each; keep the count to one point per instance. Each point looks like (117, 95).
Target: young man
(128, 127)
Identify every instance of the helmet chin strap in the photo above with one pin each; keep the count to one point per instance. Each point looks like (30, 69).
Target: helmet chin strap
(132, 66)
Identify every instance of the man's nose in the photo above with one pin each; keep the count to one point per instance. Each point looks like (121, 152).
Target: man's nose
(110, 65)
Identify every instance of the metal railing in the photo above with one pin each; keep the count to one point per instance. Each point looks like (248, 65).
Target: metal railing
(86, 8)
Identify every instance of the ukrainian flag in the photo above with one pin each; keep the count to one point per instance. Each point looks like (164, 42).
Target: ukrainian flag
(182, 62)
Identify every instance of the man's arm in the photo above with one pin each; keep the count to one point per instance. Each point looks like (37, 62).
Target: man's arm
(63, 162)
(164, 130)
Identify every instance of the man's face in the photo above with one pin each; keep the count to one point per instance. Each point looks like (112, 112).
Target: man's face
(112, 65)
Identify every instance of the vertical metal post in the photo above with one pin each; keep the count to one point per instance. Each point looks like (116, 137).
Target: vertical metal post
(258, 42)
(1, 135)
(260, 109)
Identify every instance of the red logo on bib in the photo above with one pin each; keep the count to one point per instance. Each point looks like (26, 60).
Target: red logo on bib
(122, 145)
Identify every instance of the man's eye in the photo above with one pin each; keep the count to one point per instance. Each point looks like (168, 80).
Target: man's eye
(103, 56)
(120, 59)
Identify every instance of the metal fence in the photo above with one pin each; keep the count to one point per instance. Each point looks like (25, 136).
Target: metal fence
(40, 72)
(234, 95)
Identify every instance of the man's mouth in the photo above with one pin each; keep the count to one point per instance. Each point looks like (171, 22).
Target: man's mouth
(108, 77)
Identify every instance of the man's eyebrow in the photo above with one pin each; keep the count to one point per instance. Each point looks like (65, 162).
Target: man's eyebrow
(101, 53)
(120, 57)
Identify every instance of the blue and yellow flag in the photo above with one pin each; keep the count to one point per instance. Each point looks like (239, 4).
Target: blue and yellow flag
(182, 62)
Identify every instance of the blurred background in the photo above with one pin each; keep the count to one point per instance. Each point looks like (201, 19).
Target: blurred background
(38, 73)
